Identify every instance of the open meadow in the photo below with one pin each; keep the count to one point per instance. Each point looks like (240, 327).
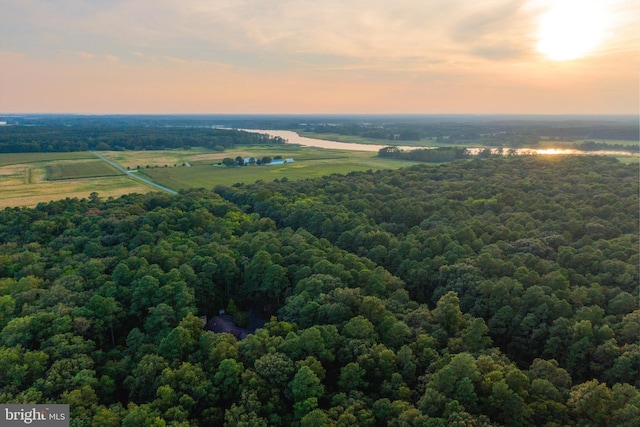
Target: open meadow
(31, 178)
(205, 171)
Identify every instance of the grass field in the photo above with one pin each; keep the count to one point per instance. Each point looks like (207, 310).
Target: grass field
(200, 156)
(80, 169)
(28, 179)
(14, 191)
(7, 159)
(309, 162)
(23, 179)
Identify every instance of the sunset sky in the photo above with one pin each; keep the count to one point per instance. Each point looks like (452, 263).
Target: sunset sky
(327, 56)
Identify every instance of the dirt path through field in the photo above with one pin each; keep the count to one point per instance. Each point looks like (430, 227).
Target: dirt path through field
(134, 174)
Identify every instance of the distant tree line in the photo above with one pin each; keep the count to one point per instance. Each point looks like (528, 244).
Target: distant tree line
(601, 146)
(251, 161)
(428, 155)
(56, 138)
(507, 133)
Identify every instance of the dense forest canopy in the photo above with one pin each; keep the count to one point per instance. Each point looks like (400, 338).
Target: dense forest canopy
(488, 292)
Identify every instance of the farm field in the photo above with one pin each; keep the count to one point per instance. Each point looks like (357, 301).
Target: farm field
(309, 164)
(31, 178)
(193, 156)
(24, 183)
(7, 159)
(80, 169)
(16, 193)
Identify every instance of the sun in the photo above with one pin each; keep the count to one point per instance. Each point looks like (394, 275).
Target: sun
(572, 29)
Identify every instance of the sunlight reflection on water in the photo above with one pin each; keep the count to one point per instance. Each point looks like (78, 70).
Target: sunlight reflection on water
(293, 138)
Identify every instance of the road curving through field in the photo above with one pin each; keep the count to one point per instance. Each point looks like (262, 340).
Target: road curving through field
(134, 175)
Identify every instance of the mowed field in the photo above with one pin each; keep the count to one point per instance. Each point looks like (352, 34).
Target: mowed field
(200, 156)
(308, 162)
(80, 169)
(31, 178)
(7, 159)
(24, 181)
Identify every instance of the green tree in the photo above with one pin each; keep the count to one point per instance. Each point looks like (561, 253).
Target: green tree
(7, 307)
(227, 161)
(590, 403)
(306, 389)
(105, 313)
(227, 380)
(351, 377)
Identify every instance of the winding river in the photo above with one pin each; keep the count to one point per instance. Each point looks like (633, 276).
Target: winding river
(293, 138)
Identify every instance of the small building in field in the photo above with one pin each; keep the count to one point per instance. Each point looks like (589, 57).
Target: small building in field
(281, 161)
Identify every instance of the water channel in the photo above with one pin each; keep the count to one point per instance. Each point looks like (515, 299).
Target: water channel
(292, 137)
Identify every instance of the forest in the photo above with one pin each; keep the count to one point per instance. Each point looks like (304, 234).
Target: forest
(500, 131)
(430, 155)
(55, 138)
(485, 292)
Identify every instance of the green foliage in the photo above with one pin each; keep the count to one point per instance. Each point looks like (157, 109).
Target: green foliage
(429, 155)
(82, 137)
(488, 292)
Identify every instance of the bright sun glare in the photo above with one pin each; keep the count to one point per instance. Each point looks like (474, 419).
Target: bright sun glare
(572, 29)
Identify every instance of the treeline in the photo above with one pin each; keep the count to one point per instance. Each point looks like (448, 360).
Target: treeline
(514, 132)
(57, 138)
(605, 146)
(495, 292)
(428, 155)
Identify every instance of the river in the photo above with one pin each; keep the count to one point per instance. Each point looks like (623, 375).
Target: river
(292, 137)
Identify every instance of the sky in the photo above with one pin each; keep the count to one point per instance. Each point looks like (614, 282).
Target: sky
(328, 56)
